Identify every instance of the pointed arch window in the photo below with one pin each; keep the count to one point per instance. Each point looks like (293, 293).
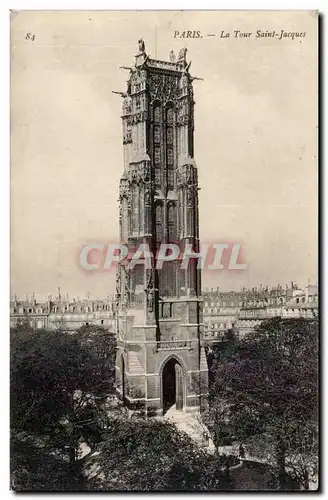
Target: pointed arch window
(157, 113)
(169, 135)
(157, 134)
(159, 223)
(170, 116)
(170, 156)
(172, 226)
(135, 209)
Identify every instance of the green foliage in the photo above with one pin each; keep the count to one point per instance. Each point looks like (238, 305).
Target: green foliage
(33, 468)
(59, 386)
(270, 386)
(152, 455)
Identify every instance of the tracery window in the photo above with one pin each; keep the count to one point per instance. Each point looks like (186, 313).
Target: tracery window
(157, 176)
(169, 135)
(170, 156)
(135, 208)
(157, 114)
(169, 116)
(159, 223)
(157, 134)
(172, 223)
(170, 178)
(157, 155)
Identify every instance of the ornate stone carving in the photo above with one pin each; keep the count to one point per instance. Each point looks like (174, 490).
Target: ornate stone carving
(186, 175)
(163, 87)
(172, 56)
(190, 195)
(139, 172)
(182, 56)
(124, 189)
(126, 293)
(141, 46)
(148, 193)
(140, 116)
(175, 344)
(150, 291)
(118, 288)
(183, 120)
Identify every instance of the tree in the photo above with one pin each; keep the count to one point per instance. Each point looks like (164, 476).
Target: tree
(270, 385)
(60, 384)
(33, 468)
(152, 455)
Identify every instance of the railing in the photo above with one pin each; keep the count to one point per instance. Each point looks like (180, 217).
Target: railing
(173, 344)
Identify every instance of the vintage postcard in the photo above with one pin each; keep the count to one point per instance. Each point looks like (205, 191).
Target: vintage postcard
(164, 251)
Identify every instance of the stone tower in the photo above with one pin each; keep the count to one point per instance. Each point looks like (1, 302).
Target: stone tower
(160, 358)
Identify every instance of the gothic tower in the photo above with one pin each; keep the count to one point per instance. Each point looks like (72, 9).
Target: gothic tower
(160, 358)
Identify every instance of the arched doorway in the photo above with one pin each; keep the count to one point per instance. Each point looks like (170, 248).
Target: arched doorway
(172, 385)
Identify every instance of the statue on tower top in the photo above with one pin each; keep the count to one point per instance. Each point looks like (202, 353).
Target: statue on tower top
(172, 56)
(182, 57)
(141, 45)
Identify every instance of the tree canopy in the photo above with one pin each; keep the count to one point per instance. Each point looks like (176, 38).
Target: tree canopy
(59, 386)
(267, 385)
(152, 455)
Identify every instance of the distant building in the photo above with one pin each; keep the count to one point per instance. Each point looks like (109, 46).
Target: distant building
(245, 310)
(221, 311)
(61, 313)
(241, 311)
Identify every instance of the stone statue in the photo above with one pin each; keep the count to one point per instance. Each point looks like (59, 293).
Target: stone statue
(151, 299)
(172, 56)
(141, 45)
(150, 293)
(182, 55)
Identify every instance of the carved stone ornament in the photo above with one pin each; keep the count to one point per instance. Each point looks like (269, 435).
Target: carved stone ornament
(172, 56)
(139, 173)
(185, 175)
(141, 45)
(164, 88)
(124, 189)
(190, 195)
(141, 116)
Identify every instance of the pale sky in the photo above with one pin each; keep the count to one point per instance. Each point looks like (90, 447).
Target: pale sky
(255, 140)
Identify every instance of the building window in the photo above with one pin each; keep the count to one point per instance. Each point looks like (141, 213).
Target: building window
(172, 224)
(157, 176)
(170, 156)
(169, 135)
(159, 235)
(135, 208)
(157, 134)
(157, 155)
(170, 116)
(170, 179)
(157, 114)
(102, 321)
